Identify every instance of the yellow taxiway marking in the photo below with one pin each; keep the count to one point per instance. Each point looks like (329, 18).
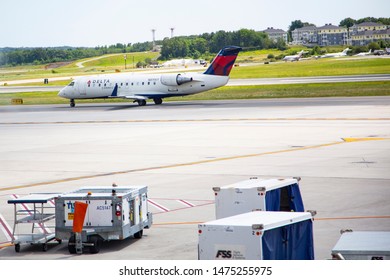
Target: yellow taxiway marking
(364, 139)
(186, 164)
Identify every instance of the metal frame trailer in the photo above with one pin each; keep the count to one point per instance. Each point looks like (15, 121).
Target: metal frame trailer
(34, 210)
(113, 213)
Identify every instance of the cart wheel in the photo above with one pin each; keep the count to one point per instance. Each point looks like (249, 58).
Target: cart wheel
(17, 248)
(139, 234)
(44, 247)
(72, 244)
(97, 242)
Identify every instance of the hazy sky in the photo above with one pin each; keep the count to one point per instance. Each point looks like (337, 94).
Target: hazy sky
(48, 23)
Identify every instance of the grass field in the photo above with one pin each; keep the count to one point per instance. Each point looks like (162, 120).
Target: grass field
(320, 67)
(95, 65)
(242, 92)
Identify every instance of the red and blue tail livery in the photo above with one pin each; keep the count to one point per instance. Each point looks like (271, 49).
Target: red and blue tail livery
(223, 62)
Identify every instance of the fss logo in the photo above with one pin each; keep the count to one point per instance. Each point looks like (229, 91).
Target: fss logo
(224, 254)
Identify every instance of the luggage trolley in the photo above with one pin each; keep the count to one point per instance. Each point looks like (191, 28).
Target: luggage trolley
(36, 210)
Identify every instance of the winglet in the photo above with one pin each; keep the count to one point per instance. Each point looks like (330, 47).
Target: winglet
(223, 62)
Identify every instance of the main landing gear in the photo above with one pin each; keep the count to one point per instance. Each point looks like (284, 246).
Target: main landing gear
(142, 102)
(72, 103)
(157, 101)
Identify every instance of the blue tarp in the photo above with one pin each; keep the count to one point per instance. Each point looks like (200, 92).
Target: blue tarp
(291, 242)
(272, 199)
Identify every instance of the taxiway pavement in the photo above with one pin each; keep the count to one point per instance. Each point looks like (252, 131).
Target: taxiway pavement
(340, 147)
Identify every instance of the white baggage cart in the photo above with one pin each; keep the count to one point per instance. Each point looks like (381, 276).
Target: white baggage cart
(113, 213)
(32, 217)
(362, 245)
(259, 235)
(258, 195)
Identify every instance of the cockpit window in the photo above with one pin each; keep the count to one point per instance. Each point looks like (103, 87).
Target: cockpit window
(71, 84)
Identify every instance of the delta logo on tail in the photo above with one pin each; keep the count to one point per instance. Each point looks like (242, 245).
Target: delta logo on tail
(223, 62)
(141, 87)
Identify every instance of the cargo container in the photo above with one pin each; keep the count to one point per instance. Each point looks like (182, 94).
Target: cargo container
(259, 235)
(362, 245)
(113, 213)
(258, 195)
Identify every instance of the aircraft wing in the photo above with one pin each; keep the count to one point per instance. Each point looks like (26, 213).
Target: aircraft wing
(135, 97)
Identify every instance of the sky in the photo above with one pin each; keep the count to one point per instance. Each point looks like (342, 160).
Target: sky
(90, 23)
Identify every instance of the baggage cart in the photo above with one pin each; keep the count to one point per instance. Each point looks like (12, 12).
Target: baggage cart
(259, 235)
(258, 195)
(362, 245)
(113, 213)
(32, 216)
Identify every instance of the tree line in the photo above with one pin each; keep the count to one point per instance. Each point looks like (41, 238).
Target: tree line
(177, 47)
(196, 46)
(20, 56)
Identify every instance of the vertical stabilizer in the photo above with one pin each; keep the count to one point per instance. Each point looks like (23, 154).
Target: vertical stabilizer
(223, 62)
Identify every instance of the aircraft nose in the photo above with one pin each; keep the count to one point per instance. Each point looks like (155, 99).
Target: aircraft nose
(61, 93)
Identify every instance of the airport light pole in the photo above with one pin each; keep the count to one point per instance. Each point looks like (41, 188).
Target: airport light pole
(125, 57)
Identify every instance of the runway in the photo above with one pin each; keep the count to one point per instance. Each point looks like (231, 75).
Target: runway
(180, 150)
(235, 82)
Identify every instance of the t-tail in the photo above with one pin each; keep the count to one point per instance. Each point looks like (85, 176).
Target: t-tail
(223, 62)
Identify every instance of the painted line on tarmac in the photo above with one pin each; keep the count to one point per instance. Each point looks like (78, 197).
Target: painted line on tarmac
(183, 164)
(158, 206)
(5, 227)
(195, 120)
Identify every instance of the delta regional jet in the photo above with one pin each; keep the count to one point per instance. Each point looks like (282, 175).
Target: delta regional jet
(140, 87)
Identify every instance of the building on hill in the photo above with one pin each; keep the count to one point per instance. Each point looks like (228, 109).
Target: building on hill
(367, 32)
(305, 35)
(330, 35)
(275, 34)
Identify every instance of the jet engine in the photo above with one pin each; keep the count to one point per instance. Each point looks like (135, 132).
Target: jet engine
(174, 79)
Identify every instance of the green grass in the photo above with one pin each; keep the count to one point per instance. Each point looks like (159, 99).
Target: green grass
(320, 67)
(94, 65)
(236, 92)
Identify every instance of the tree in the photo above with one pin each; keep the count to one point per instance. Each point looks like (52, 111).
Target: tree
(296, 24)
(347, 22)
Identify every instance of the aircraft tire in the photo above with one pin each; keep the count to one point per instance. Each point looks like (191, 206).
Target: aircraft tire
(157, 101)
(72, 103)
(141, 102)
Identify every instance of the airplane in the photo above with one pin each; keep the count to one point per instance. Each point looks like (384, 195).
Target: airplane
(294, 57)
(364, 53)
(343, 53)
(140, 87)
